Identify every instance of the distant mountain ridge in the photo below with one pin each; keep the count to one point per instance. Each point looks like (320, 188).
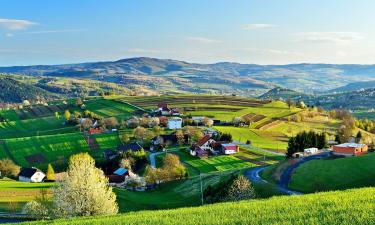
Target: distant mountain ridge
(173, 76)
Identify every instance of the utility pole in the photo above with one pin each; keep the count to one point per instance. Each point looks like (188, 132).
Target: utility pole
(200, 177)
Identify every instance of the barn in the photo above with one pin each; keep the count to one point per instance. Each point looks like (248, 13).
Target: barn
(353, 149)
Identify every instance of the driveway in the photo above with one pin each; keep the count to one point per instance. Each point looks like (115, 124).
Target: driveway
(287, 173)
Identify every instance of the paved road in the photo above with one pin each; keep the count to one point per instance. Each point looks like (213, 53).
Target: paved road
(287, 173)
(253, 176)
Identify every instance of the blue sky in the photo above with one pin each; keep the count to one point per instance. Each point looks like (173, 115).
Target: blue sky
(204, 31)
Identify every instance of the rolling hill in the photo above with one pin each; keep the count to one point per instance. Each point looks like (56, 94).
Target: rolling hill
(170, 76)
(342, 207)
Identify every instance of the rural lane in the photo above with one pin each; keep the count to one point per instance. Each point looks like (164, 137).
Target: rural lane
(253, 176)
(153, 155)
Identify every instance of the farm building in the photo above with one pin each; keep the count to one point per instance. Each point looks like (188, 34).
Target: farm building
(174, 123)
(31, 175)
(310, 151)
(350, 149)
(229, 149)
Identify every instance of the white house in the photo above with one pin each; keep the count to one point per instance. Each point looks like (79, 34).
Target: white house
(229, 149)
(174, 123)
(205, 143)
(310, 151)
(31, 175)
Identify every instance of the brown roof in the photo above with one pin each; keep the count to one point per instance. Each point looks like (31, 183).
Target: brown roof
(203, 140)
(115, 179)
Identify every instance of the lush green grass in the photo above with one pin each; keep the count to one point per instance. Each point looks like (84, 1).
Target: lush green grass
(258, 138)
(55, 148)
(108, 141)
(33, 127)
(14, 194)
(350, 172)
(110, 108)
(342, 207)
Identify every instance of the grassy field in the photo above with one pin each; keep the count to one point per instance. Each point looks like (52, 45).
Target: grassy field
(108, 141)
(54, 149)
(259, 138)
(342, 207)
(343, 173)
(14, 194)
(110, 108)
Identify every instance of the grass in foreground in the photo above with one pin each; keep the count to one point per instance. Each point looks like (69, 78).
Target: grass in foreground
(323, 175)
(342, 207)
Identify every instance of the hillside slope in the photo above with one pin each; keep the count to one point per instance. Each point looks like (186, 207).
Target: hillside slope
(323, 175)
(224, 77)
(13, 91)
(343, 207)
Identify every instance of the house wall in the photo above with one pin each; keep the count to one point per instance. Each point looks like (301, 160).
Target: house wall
(38, 177)
(174, 124)
(350, 150)
(24, 179)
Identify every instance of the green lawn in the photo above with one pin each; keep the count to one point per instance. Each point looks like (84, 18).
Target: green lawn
(110, 108)
(354, 206)
(320, 175)
(14, 194)
(218, 163)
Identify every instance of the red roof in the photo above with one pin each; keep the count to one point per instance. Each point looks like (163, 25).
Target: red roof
(230, 147)
(203, 140)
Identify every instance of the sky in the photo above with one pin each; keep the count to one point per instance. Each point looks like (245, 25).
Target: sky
(201, 31)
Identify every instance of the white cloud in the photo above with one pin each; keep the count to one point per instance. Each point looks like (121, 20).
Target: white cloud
(53, 31)
(12, 24)
(255, 26)
(271, 51)
(8, 35)
(341, 38)
(203, 40)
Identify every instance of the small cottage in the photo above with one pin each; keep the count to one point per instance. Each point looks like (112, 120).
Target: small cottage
(31, 175)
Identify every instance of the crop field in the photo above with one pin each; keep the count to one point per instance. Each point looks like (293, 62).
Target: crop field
(41, 150)
(334, 174)
(32, 127)
(108, 141)
(110, 108)
(319, 208)
(14, 194)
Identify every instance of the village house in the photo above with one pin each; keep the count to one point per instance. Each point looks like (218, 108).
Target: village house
(229, 149)
(31, 175)
(350, 149)
(203, 146)
(174, 123)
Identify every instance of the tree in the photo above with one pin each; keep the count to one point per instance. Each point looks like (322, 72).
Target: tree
(124, 138)
(79, 102)
(67, 115)
(180, 137)
(208, 122)
(50, 175)
(84, 191)
(359, 137)
(241, 189)
(127, 163)
(8, 168)
(110, 122)
(305, 140)
(289, 102)
(226, 137)
(142, 134)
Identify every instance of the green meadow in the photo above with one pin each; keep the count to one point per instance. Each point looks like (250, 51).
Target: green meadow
(341, 207)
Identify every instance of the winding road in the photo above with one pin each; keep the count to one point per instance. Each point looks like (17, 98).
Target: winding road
(254, 174)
